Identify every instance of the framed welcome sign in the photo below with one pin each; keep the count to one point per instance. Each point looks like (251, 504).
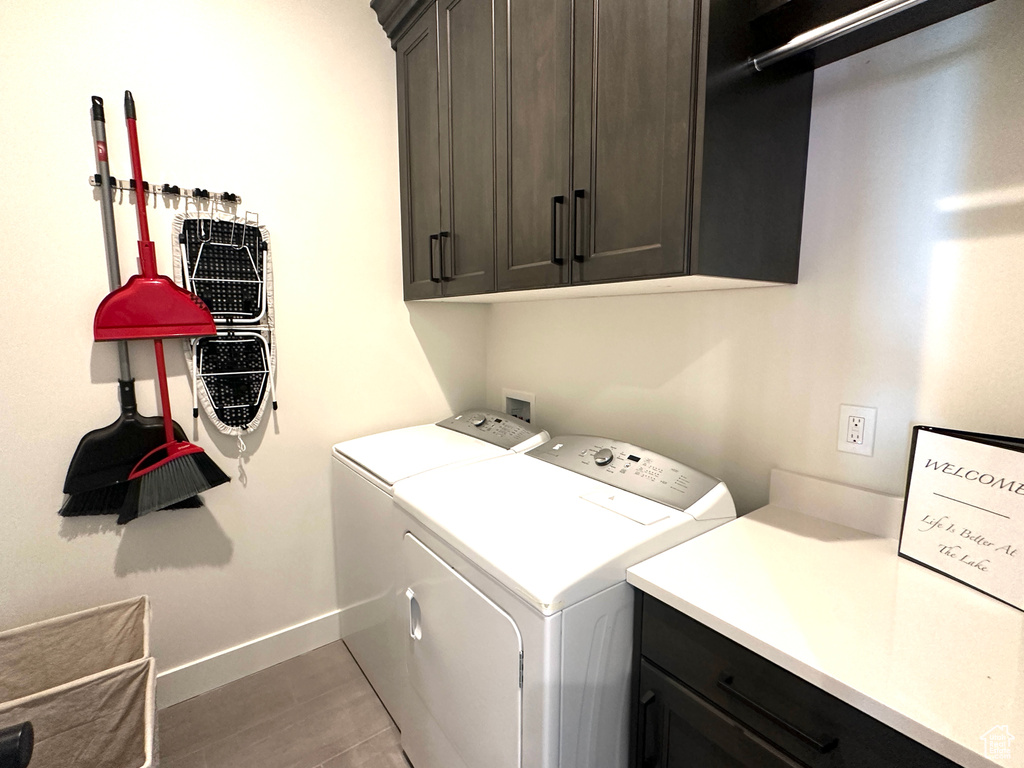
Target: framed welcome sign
(964, 511)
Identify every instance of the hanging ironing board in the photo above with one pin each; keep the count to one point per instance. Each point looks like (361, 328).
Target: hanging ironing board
(225, 260)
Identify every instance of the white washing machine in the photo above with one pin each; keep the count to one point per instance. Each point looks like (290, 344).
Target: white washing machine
(368, 534)
(519, 619)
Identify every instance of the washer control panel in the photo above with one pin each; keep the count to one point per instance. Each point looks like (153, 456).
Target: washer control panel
(628, 467)
(494, 427)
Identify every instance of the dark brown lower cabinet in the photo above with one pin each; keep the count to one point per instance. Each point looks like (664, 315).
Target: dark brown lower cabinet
(679, 729)
(704, 701)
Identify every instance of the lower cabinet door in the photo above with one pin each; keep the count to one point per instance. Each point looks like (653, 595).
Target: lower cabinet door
(676, 728)
(464, 707)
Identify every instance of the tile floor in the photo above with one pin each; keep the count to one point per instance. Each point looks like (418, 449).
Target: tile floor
(313, 711)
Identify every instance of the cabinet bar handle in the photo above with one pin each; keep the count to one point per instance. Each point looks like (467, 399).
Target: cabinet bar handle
(555, 202)
(821, 747)
(442, 236)
(433, 278)
(577, 195)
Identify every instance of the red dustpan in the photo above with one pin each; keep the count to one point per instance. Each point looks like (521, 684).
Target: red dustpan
(149, 305)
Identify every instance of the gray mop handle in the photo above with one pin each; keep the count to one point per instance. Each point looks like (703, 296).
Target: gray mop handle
(99, 135)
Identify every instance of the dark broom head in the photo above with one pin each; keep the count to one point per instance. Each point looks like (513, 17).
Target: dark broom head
(110, 501)
(185, 476)
(100, 501)
(106, 456)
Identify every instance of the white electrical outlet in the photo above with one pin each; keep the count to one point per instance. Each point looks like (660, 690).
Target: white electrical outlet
(857, 429)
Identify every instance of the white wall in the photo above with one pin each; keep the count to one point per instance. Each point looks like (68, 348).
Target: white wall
(291, 105)
(908, 300)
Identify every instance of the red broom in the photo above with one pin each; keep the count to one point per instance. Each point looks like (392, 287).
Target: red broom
(177, 469)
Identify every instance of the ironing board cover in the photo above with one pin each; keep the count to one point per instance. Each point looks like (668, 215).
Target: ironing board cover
(227, 263)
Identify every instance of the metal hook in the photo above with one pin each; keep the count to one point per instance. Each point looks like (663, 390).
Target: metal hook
(204, 236)
(231, 238)
(202, 194)
(245, 226)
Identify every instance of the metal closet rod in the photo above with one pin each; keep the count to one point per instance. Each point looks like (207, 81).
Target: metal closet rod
(833, 30)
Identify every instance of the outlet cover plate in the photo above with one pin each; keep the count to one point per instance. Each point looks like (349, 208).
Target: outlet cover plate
(522, 405)
(856, 437)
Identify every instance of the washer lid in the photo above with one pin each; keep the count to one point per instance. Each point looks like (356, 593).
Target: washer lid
(401, 453)
(552, 536)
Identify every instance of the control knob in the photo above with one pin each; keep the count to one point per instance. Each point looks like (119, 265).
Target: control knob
(602, 457)
(478, 420)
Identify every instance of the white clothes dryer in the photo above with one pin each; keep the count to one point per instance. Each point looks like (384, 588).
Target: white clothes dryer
(519, 619)
(368, 534)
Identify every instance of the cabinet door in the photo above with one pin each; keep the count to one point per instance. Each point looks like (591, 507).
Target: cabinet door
(420, 161)
(678, 729)
(804, 722)
(469, 209)
(632, 167)
(536, 79)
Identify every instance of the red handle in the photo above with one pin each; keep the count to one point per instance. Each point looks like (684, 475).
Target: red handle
(147, 254)
(165, 398)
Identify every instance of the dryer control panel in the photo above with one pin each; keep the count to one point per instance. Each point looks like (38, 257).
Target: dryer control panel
(494, 427)
(629, 467)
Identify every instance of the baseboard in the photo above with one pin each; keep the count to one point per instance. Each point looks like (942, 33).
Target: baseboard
(202, 675)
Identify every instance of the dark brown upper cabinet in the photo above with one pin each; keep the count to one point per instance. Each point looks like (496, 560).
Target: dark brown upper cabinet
(633, 111)
(643, 145)
(552, 143)
(619, 146)
(419, 147)
(600, 107)
(447, 145)
(535, 79)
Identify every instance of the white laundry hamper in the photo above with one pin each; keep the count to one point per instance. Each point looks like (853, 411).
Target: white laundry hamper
(87, 683)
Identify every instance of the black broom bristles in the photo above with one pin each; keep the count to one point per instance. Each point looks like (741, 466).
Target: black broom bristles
(109, 500)
(106, 499)
(178, 479)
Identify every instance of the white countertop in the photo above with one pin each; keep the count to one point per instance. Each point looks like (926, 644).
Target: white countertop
(836, 606)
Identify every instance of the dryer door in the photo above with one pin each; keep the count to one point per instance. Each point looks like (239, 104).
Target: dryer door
(464, 655)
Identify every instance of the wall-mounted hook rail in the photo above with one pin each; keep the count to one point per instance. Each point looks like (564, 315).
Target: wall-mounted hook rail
(169, 190)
